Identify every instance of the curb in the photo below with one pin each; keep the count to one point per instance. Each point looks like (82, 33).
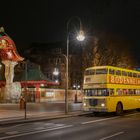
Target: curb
(39, 119)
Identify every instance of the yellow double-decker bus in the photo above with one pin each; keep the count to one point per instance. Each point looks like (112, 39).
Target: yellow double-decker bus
(111, 89)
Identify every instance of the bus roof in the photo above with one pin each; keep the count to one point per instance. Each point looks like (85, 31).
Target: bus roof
(112, 67)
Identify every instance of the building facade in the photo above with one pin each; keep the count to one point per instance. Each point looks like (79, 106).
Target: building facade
(35, 87)
(51, 56)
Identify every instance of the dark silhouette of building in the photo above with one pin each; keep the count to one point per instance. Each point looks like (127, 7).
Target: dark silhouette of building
(51, 56)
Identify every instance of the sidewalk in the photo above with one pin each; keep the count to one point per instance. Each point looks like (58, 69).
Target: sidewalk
(11, 114)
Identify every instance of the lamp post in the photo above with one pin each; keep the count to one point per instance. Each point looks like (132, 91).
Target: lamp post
(76, 87)
(80, 37)
(26, 76)
(56, 73)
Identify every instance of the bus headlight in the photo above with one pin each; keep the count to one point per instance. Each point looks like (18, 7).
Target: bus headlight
(84, 104)
(102, 105)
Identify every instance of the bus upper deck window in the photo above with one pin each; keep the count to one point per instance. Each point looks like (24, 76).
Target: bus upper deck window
(134, 74)
(124, 73)
(101, 71)
(130, 74)
(118, 72)
(111, 71)
(92, 72)
(138, 75)
(89, 72)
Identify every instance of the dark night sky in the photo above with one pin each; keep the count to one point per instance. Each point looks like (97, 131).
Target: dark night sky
(45, 20)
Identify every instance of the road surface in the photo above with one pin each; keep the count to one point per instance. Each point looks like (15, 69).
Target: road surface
(89, 127)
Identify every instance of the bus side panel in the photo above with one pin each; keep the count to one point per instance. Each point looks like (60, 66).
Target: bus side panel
(128, 102)
(112, 103)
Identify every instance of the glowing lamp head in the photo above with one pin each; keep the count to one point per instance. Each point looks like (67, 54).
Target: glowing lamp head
(56, 72)
(80, 36)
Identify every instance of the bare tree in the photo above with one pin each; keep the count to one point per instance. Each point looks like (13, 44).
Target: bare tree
(106, 52)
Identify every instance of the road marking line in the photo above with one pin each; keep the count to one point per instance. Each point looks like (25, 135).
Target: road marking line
(59, 124)
(99, 120)
(116, 134)
(132, 114)
(49, 124)
(34, 132)
(12, 132)
(8, 128)
(39, 128)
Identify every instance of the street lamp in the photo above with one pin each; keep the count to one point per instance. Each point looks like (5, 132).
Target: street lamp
(76, 87)
(80, 37)
(56, 72)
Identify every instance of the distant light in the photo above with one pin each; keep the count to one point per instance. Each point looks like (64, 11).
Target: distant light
(56, 72)
(80, 36)
(56, 81)
(78, 86)
(74, 86)
(42, 85)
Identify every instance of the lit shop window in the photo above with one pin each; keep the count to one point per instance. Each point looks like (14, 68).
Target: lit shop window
(49, 94)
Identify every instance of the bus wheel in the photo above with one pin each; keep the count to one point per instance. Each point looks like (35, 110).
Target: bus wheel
(119, 109)
(138, 109)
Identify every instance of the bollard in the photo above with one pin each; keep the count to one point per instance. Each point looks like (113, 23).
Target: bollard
(22, 103)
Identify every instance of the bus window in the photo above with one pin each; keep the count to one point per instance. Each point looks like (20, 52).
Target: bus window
(111, 71)
(89, 72)
(102, 92)
(131, 91)
(130, 74)
(125, 92)
(124, 73)
(88, 92)
(134, 74)
(110, 92)
(118, 72)
(101, 71)
(119, 92)
(91, 92)
(99, 92)
(94, 92)
(137, 91)
(85, 92)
